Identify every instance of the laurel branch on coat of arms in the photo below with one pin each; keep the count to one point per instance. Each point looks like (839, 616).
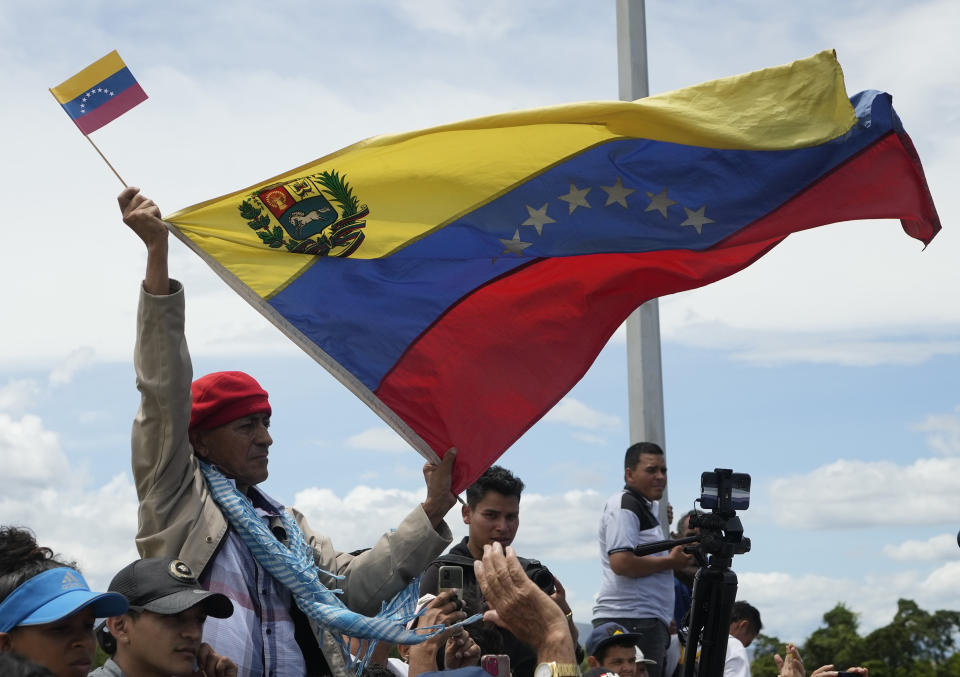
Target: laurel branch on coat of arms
(317, 214)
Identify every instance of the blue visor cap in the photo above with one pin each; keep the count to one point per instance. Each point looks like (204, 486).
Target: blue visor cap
(55, 594)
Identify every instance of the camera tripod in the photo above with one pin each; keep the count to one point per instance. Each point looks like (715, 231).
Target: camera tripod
(715, 584)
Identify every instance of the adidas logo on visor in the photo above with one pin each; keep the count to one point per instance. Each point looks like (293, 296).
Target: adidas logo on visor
(70, 581)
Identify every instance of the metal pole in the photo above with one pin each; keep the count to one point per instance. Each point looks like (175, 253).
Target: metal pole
(644, 375)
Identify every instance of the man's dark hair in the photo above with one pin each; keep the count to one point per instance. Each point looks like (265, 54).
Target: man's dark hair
(495, 478)
(601, 654)
(632, 457)
(742, 611)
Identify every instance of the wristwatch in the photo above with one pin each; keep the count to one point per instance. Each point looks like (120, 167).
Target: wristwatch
(554, 669)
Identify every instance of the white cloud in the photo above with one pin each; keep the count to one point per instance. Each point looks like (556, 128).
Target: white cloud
(30, 454)
(95, 526)
(462, 19)
(848, 494)
(943, 432)
(40, 489)
(78, 359)
(378, 439)
(919, 87)
(18, 394)
(766, 347)
(836, 350)
(540, 515)
(874, 597)
(575, 413)
(587, 475)
(851, 293)
(940, 547)
(360, 517)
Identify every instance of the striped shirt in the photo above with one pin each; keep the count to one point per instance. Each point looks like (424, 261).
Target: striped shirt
(259, 636)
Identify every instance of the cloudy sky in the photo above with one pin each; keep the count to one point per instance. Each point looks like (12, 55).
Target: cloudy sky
(827, 370)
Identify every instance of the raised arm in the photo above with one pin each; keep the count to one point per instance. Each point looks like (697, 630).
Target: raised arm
(437, 477)
(143, 217)
(162, 460)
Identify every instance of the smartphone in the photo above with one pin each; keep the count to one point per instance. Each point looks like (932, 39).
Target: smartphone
(451, 577)
(497, 665)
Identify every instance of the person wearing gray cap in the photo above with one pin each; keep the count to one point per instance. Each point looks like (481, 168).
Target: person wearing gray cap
(159, 636)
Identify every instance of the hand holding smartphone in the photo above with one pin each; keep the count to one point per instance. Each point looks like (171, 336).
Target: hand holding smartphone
(450, 577)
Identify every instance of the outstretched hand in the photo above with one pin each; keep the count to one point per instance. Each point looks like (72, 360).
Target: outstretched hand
(438, 479)
(143, 217)
(521, 607)
(444, 609)
(792, 665)
(460, 651)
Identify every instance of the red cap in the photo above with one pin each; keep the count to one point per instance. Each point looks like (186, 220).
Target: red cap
(225, 396)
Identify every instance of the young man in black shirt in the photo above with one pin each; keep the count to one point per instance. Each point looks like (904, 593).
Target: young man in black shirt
(492, 515)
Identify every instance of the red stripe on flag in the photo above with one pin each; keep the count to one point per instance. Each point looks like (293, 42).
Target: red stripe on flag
(504, 355)
(112, 109)
(499, 360)
(883, 181)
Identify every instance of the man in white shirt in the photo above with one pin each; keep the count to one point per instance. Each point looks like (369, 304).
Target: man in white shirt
(637, 592)
(745, 625)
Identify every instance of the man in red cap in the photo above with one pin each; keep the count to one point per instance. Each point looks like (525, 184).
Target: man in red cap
(221, 421)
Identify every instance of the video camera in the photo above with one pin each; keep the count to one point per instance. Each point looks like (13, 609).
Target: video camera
(723, 492)
(720, 537)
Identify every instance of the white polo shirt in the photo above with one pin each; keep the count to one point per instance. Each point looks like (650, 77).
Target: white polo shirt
(737, 663)
(628, 520)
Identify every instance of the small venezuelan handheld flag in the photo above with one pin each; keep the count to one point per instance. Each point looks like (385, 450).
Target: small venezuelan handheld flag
(461, 279)
(100, 93)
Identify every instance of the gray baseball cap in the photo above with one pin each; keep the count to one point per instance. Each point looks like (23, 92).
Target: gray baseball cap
(167, 586)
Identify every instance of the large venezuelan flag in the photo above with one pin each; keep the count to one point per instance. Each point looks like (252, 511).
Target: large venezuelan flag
(461, 279)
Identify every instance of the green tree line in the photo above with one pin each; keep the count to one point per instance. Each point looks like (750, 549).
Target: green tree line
(916, 643)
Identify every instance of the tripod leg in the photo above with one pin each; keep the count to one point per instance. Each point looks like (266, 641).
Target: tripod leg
(715, 632)
(714, 592)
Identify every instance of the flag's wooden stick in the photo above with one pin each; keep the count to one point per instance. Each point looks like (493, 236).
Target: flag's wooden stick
(106, 160)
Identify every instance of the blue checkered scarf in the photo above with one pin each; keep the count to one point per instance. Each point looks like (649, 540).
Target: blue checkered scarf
(295, 568)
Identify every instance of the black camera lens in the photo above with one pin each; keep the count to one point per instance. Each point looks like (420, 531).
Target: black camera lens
(542, 577)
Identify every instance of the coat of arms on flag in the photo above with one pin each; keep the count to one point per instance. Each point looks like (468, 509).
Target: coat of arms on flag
(317, 214)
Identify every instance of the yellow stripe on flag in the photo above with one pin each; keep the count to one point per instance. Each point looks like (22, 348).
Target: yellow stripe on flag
(93, 74)
(417, 182)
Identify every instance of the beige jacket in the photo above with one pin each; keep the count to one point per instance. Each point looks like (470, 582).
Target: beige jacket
(179, 518)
